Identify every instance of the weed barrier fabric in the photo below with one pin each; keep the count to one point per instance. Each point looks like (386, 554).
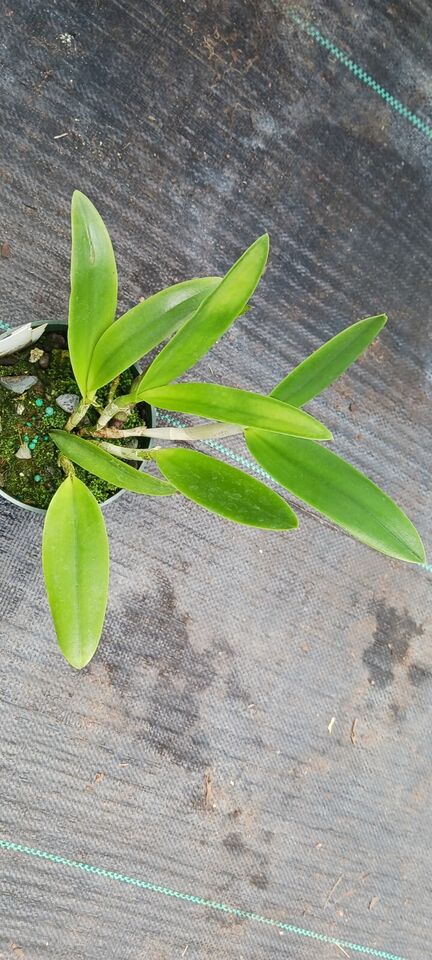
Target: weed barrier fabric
(255, 729)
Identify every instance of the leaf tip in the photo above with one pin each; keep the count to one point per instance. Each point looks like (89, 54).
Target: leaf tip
(380, 320)
(78, 662)
(81, 205)
(324, 434)
(295, 521)
(420, 554)
(261, 246)
(264, 241)
(79, 197)
(53, 434)
(376, 322)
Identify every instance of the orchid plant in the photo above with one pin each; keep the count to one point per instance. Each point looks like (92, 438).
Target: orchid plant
(288, 443)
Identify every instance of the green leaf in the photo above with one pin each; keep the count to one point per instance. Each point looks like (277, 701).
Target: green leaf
(145, 326)
(224, 490)
(75, 559)
(93, 297)
(328, 362)
(322, 479)
(212, 319)
(231, 405)
(92, 458)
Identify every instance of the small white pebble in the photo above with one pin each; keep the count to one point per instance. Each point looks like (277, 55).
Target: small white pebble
(36, 353)
(23, 453)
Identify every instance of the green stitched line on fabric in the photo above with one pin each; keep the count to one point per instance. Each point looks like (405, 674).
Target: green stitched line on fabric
(363, 76)
(199, 901)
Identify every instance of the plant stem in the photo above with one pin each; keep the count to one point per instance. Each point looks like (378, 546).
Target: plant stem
(113, 433)
(113, 389)
(110, 411)
(114, 406)
(77, 415)
(126, 453)
(188, 434)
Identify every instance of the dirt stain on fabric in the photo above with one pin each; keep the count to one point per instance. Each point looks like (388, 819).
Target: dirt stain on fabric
(392, 637)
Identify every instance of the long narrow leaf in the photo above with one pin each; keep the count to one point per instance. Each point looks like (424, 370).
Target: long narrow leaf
(328, 362)
(231, 405)
(93, 297)
(145, 326)
(211, 319)
(75, 560)
(224, 490)
(92, 458)
(322, 479)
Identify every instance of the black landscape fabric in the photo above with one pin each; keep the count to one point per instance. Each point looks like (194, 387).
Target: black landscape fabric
(256, 726)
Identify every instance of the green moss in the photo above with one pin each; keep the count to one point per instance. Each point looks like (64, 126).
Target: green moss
(17, 477)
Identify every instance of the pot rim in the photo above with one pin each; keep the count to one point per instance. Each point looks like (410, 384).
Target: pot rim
(56, 326)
